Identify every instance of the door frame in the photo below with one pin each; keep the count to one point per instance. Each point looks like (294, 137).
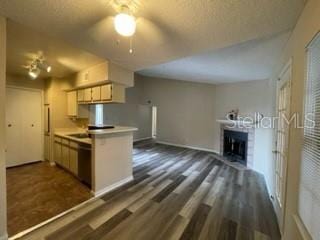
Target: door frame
(280, 210)
(154, 112)
(41, 91)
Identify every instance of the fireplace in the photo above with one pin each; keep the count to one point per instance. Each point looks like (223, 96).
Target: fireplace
(235, 146)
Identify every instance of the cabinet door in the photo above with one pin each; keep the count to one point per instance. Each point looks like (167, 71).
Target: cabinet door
(96, 94)
(118, 93)
(81, 95)
(74, 160)
(72, 104)
(65, 154)
(106, 92)
(57, 151)
(87, 95)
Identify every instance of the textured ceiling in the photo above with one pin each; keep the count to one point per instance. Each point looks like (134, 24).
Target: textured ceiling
(252, 60)
(166, 30)
(25, 44)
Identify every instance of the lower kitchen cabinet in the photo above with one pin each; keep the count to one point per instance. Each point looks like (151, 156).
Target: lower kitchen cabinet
(73, 160)
(66, 155)
(57, 150)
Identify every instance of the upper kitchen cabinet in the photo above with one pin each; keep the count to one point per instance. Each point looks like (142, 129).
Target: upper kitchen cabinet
(105, 72)
(73, 109)
(106, 93)
(72, 103)
(96, 94)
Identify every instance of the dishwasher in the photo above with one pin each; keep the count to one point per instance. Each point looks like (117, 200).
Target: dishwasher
(84, 163)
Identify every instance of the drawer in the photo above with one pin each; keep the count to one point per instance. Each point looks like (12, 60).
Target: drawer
(74, 145)
(65, 141)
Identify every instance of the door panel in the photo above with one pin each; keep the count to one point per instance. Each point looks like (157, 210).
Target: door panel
(87, 95)
(72, 104)
(13, 127)
(282, 136)
(65, 153)
(24, 126)
(31, 126)
(58, 152)
(106, 92)
(96, 93)
(74, 160)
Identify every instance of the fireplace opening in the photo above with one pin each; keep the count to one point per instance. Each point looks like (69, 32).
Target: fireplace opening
(235, 146)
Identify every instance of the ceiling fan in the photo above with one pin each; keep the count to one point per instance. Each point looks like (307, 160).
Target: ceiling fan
(124, 21)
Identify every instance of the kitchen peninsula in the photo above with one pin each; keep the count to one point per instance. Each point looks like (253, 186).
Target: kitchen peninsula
(109, 156)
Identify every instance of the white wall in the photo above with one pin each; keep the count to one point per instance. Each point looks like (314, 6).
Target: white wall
(248, 97)
(3, 190)
(133, 115)
(251, 97)
(187, 114)
(22, 81)
(185, 111)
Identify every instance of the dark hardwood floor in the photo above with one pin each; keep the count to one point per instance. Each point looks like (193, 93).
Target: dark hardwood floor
(177, 193)
(37, 192)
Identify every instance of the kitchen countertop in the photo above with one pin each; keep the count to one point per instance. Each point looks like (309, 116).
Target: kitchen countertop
(116, 129)
(66, 133)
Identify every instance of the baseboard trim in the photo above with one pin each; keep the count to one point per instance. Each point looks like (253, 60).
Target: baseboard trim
(112, 187)
(142, 139)
(187, 146)
(4, 237)
(24, 164)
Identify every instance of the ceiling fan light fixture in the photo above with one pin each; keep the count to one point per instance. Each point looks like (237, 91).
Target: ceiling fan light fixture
(125, 23)
(34, 72)
(37, 65)
(43, 65)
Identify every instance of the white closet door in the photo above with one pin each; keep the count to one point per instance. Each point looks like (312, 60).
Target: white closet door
(24, 136)
(32, 116)
(13, 127)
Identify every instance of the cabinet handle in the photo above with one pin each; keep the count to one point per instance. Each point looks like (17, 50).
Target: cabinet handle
(32, 125)
(9, 125)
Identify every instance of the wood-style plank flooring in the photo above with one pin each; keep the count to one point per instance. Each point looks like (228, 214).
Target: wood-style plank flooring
(37, 192)
(177, 193)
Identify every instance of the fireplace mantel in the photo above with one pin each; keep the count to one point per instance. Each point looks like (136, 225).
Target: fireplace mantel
(237, 122)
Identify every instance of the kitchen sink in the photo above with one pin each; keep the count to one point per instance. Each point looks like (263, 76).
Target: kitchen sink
(80, 135)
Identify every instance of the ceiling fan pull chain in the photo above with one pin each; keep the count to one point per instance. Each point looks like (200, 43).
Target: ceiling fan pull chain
(131, 50)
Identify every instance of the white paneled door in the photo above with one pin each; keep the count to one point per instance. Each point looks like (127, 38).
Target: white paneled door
(282, 134)
(23, 126)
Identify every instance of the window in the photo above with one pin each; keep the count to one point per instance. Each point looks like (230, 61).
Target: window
(99, 115)
(309, 194)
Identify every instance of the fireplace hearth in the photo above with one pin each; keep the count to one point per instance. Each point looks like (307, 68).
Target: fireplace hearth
(235, 146)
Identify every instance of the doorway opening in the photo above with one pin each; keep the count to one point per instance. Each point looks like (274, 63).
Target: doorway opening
(154, 122)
